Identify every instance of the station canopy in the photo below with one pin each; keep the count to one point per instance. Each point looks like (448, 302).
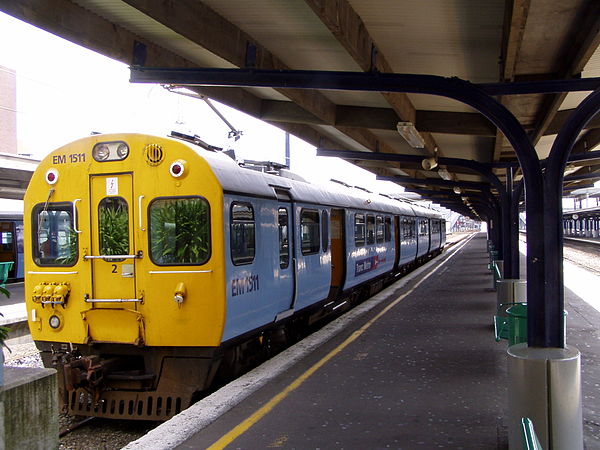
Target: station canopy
(485, 42)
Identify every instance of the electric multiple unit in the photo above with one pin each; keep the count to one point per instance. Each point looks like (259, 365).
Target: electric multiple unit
(154, 266)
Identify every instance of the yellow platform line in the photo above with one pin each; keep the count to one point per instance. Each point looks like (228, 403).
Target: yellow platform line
(244, 426)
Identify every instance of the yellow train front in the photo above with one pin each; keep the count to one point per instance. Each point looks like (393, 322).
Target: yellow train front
(122, 294)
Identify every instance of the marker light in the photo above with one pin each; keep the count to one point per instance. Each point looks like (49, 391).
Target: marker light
(110, 151)
(54, 322)
(51, 176)
(177, 169)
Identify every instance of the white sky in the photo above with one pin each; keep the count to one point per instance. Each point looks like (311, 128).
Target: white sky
(65, 92)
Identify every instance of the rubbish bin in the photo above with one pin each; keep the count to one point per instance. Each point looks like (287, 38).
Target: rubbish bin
(493, 257)
(4, 269)
(517, 324)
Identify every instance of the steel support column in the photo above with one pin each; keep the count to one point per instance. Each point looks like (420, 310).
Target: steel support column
(514, 225)
(553, 231)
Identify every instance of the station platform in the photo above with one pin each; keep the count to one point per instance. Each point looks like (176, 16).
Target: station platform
(420, 370)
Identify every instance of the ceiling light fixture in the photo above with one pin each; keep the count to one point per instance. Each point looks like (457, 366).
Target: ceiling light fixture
(410, 134)
(444, 174)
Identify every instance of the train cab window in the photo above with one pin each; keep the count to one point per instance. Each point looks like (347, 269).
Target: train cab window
(388, 229)
(370, 229)
(379, 229)
(284, 243)
(54, 237)
(325, 229)
(309, 231)
(113, 218)
(359, 230)
(179, 231)
(243, 233)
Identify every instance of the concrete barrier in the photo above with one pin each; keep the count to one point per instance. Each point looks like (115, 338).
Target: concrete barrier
(28, 409)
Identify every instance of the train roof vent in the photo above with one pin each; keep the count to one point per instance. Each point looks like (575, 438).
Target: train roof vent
(154, 154)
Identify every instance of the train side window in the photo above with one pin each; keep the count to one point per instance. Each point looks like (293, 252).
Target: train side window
(424, 229)
(243, 233)
(379, 229)
(309, 231)
(388, 229)
(370, 229)
(325, 231)
(179, 231)
(54, 239)
(284, 243)
(359, 230)
(113, 218)
(6, 239)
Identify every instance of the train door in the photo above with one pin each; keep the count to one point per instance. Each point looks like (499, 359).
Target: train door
(113, 278)
(338, 254)
(287, 259)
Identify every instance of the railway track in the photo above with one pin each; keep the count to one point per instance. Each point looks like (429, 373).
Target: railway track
(583, 254)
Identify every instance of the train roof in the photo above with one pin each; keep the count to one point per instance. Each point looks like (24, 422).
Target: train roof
(239, 179)
(11, 215)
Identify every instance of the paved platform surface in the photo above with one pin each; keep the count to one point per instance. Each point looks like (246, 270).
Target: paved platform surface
(426, 373)
(13, 307)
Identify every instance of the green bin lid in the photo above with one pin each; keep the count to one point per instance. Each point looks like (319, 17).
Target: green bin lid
(518, 310)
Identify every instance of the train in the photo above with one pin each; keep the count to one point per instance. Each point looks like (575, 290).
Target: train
(155, 266)
(11, 243)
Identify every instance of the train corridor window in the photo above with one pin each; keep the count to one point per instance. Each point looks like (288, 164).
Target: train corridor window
(379, 229)
(388, 229)
(113, 218)
(243, 233)
(359, 230)
(284, 243)
(309, 231)
(370, 229)
(54, 237)
(423, 229)
(179, 231)
(325, 229)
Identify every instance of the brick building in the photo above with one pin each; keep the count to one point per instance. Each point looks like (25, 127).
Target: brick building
(8, 110)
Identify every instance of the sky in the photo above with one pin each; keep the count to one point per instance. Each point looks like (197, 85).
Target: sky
(65, 92)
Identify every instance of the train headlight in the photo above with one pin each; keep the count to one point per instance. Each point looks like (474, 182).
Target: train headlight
(122, 150)
(54, 322)
(51, 176)
(110, 151)
(101, 152)
(178, 169)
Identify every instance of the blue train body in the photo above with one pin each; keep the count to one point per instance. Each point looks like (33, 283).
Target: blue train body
(291, 246)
